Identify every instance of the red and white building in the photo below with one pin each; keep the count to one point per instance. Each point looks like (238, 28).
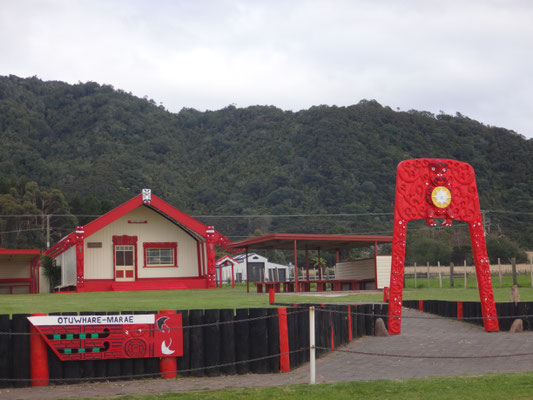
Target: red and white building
(19, 271)
(143, 244)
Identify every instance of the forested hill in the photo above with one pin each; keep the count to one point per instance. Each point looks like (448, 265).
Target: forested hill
(100, 146)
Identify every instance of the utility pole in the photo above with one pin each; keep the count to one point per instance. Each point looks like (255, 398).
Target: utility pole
(48, 231)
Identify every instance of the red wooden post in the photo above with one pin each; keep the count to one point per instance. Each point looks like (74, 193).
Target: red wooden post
(459, 310)
(32, 276)
(421, 305)
(319, 266)
(284, 360)
(168, 366)
(220, 275)
(296, 285)
(271, 296)
(376, 262)
(232, 276)
(307, 262)
(247, 273)
(39, 358)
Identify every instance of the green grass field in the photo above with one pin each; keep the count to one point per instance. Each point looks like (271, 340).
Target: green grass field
(484, 387)
(238, 298)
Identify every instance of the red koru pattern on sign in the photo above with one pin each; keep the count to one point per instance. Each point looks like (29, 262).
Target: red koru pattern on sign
(438, 189)
(98, 337)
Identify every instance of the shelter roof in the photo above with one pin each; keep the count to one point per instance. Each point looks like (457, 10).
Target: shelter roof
(311, 241)
(18, 254)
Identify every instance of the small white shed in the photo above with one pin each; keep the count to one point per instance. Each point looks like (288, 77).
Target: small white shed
(260, 269)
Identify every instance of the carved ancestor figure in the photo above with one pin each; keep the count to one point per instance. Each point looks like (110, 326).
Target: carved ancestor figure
(438, 194)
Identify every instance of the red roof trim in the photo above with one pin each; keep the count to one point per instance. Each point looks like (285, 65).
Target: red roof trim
(112, 215)
(316, 237)
(178, 215)
(156, 203)
(20, 251)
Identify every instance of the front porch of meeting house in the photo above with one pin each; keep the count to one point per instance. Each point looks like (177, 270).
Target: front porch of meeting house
(369, 273)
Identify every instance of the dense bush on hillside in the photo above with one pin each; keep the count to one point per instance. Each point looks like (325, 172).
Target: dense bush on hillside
(100, 146)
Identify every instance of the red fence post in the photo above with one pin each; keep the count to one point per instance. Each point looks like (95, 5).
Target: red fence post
(421, 305)
(271, 296)
(459, 310)
(168, 366)
(38, 358)
(284, 360)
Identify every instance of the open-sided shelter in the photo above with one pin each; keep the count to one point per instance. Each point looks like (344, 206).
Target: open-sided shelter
(318, 243)
(143, 244)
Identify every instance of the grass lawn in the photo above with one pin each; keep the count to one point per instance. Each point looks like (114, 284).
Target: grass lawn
(485, 387)
(237, 298)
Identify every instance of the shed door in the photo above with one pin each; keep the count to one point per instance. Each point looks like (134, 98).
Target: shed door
(124, 263)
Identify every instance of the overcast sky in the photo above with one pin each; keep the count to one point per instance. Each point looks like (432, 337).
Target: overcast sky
(473, 56)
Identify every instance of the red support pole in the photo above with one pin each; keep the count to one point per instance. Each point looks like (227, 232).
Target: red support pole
(32, 276)
(307, 262)
(247, 273)
(232, 276)
(459, 310)
(38, 280)
(38, 358)
(284, 360)
(296, 285)
(319, 266)
(376, 263)
(168, 366)
(220, 275)
(421, 305)
(271, 296)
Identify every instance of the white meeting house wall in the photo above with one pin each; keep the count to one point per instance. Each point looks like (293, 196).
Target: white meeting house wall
(99, 260)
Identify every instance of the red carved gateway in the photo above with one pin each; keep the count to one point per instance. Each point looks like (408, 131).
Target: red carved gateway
(97, 337)
(438, 189)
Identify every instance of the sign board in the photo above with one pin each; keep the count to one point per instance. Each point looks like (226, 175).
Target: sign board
(98, 337)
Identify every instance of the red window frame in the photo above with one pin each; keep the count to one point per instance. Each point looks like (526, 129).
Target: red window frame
(125, 240)
(161, 245)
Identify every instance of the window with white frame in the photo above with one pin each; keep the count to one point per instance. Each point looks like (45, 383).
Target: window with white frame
(160, 254)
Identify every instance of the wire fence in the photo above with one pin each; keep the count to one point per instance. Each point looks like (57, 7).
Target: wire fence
(328, 310)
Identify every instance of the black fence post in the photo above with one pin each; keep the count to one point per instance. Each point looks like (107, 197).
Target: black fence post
(196, 341)
(5, 349)
(242, 340)
(21, 349)
(227, 342)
